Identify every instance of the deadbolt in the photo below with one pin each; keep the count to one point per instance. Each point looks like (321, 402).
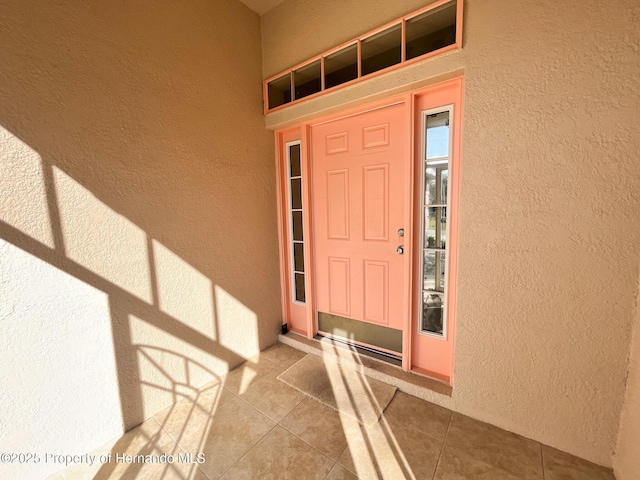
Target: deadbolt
(400, 250)
(401, 232)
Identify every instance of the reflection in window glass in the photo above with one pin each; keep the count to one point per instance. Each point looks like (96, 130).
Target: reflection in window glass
(437, 144)
(307, 80)
(279, 91)
(381, 50)
(434, 228)
(433, 271)
(436, 180)
(432, 312)
(341, 66)
(431, 30)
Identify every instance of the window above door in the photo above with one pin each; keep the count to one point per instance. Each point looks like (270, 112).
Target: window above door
(433, 30)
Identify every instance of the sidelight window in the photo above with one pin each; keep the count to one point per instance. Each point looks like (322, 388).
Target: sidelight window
(295, 220)
(435, 200)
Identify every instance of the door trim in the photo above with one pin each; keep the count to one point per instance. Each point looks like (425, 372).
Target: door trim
(302, 132)
(298, 317)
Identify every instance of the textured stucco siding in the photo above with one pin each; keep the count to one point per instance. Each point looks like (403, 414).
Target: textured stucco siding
(549, 209)
(138, 238)
(626, 463)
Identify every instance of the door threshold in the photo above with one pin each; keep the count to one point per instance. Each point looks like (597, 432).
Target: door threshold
(379, 355)
(407, 382)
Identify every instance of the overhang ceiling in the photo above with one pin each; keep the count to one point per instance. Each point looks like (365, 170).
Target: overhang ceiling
(261, 6)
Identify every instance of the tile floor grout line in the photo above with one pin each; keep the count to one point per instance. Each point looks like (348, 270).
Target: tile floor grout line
(260, 376)
(464, 450)
(467, 452)
(258, 410)
(333, 463)
(266, 415)
(430, 435)
(444, 440)
(209, 421)
(314, 448)
(250, 449)
(435, 471)
(277, 424)
(345, 449)
(303, 440)
(332, 467)
(486, 462)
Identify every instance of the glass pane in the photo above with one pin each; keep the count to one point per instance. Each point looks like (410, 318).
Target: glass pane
(294, 158)
(437, 135)
(341, 66)
(300, 287)
(307, 80)
(296, 193)
(297, 225)
(431, 30)
(298, 257)
(279, 91)
(435, 227)
(435, 184)
(432, 312)
(433, 262)
(382, 50)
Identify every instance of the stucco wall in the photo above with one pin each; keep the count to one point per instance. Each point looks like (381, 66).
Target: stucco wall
(138, 240)
(626, 463)
(549, 216)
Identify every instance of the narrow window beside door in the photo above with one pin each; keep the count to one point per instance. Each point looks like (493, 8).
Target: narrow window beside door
(295, 221)
(436, 160)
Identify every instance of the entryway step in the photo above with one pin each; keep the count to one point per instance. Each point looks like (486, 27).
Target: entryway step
(407, 382)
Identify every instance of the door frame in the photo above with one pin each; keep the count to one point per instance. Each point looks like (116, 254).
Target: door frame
(305, 316)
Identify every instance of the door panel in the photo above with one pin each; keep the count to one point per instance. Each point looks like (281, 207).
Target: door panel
(359, 184)
(376, 292)
(339, 286)
(375, 203)
(338, 204)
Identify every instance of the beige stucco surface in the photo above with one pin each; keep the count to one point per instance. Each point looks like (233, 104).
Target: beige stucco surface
(625, 463)
(549, 210)
(138, 240)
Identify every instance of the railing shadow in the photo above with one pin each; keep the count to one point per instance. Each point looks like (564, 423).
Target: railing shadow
(375, 450)
(190, 414)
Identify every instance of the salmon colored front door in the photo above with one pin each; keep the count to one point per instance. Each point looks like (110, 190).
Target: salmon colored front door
(359, 182)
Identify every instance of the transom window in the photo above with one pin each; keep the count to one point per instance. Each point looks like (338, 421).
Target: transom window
(432, 30)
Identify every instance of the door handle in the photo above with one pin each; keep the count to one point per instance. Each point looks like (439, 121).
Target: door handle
(400, 250)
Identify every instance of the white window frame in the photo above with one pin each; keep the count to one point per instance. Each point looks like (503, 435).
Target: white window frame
(423, 162)
(290, 210)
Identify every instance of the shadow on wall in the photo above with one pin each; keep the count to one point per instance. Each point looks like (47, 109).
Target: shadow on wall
(138, 246)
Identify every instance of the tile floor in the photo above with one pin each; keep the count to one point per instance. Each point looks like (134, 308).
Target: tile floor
(252, 426)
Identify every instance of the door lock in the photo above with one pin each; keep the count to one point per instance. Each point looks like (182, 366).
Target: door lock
(401, 232)
(400, 250)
